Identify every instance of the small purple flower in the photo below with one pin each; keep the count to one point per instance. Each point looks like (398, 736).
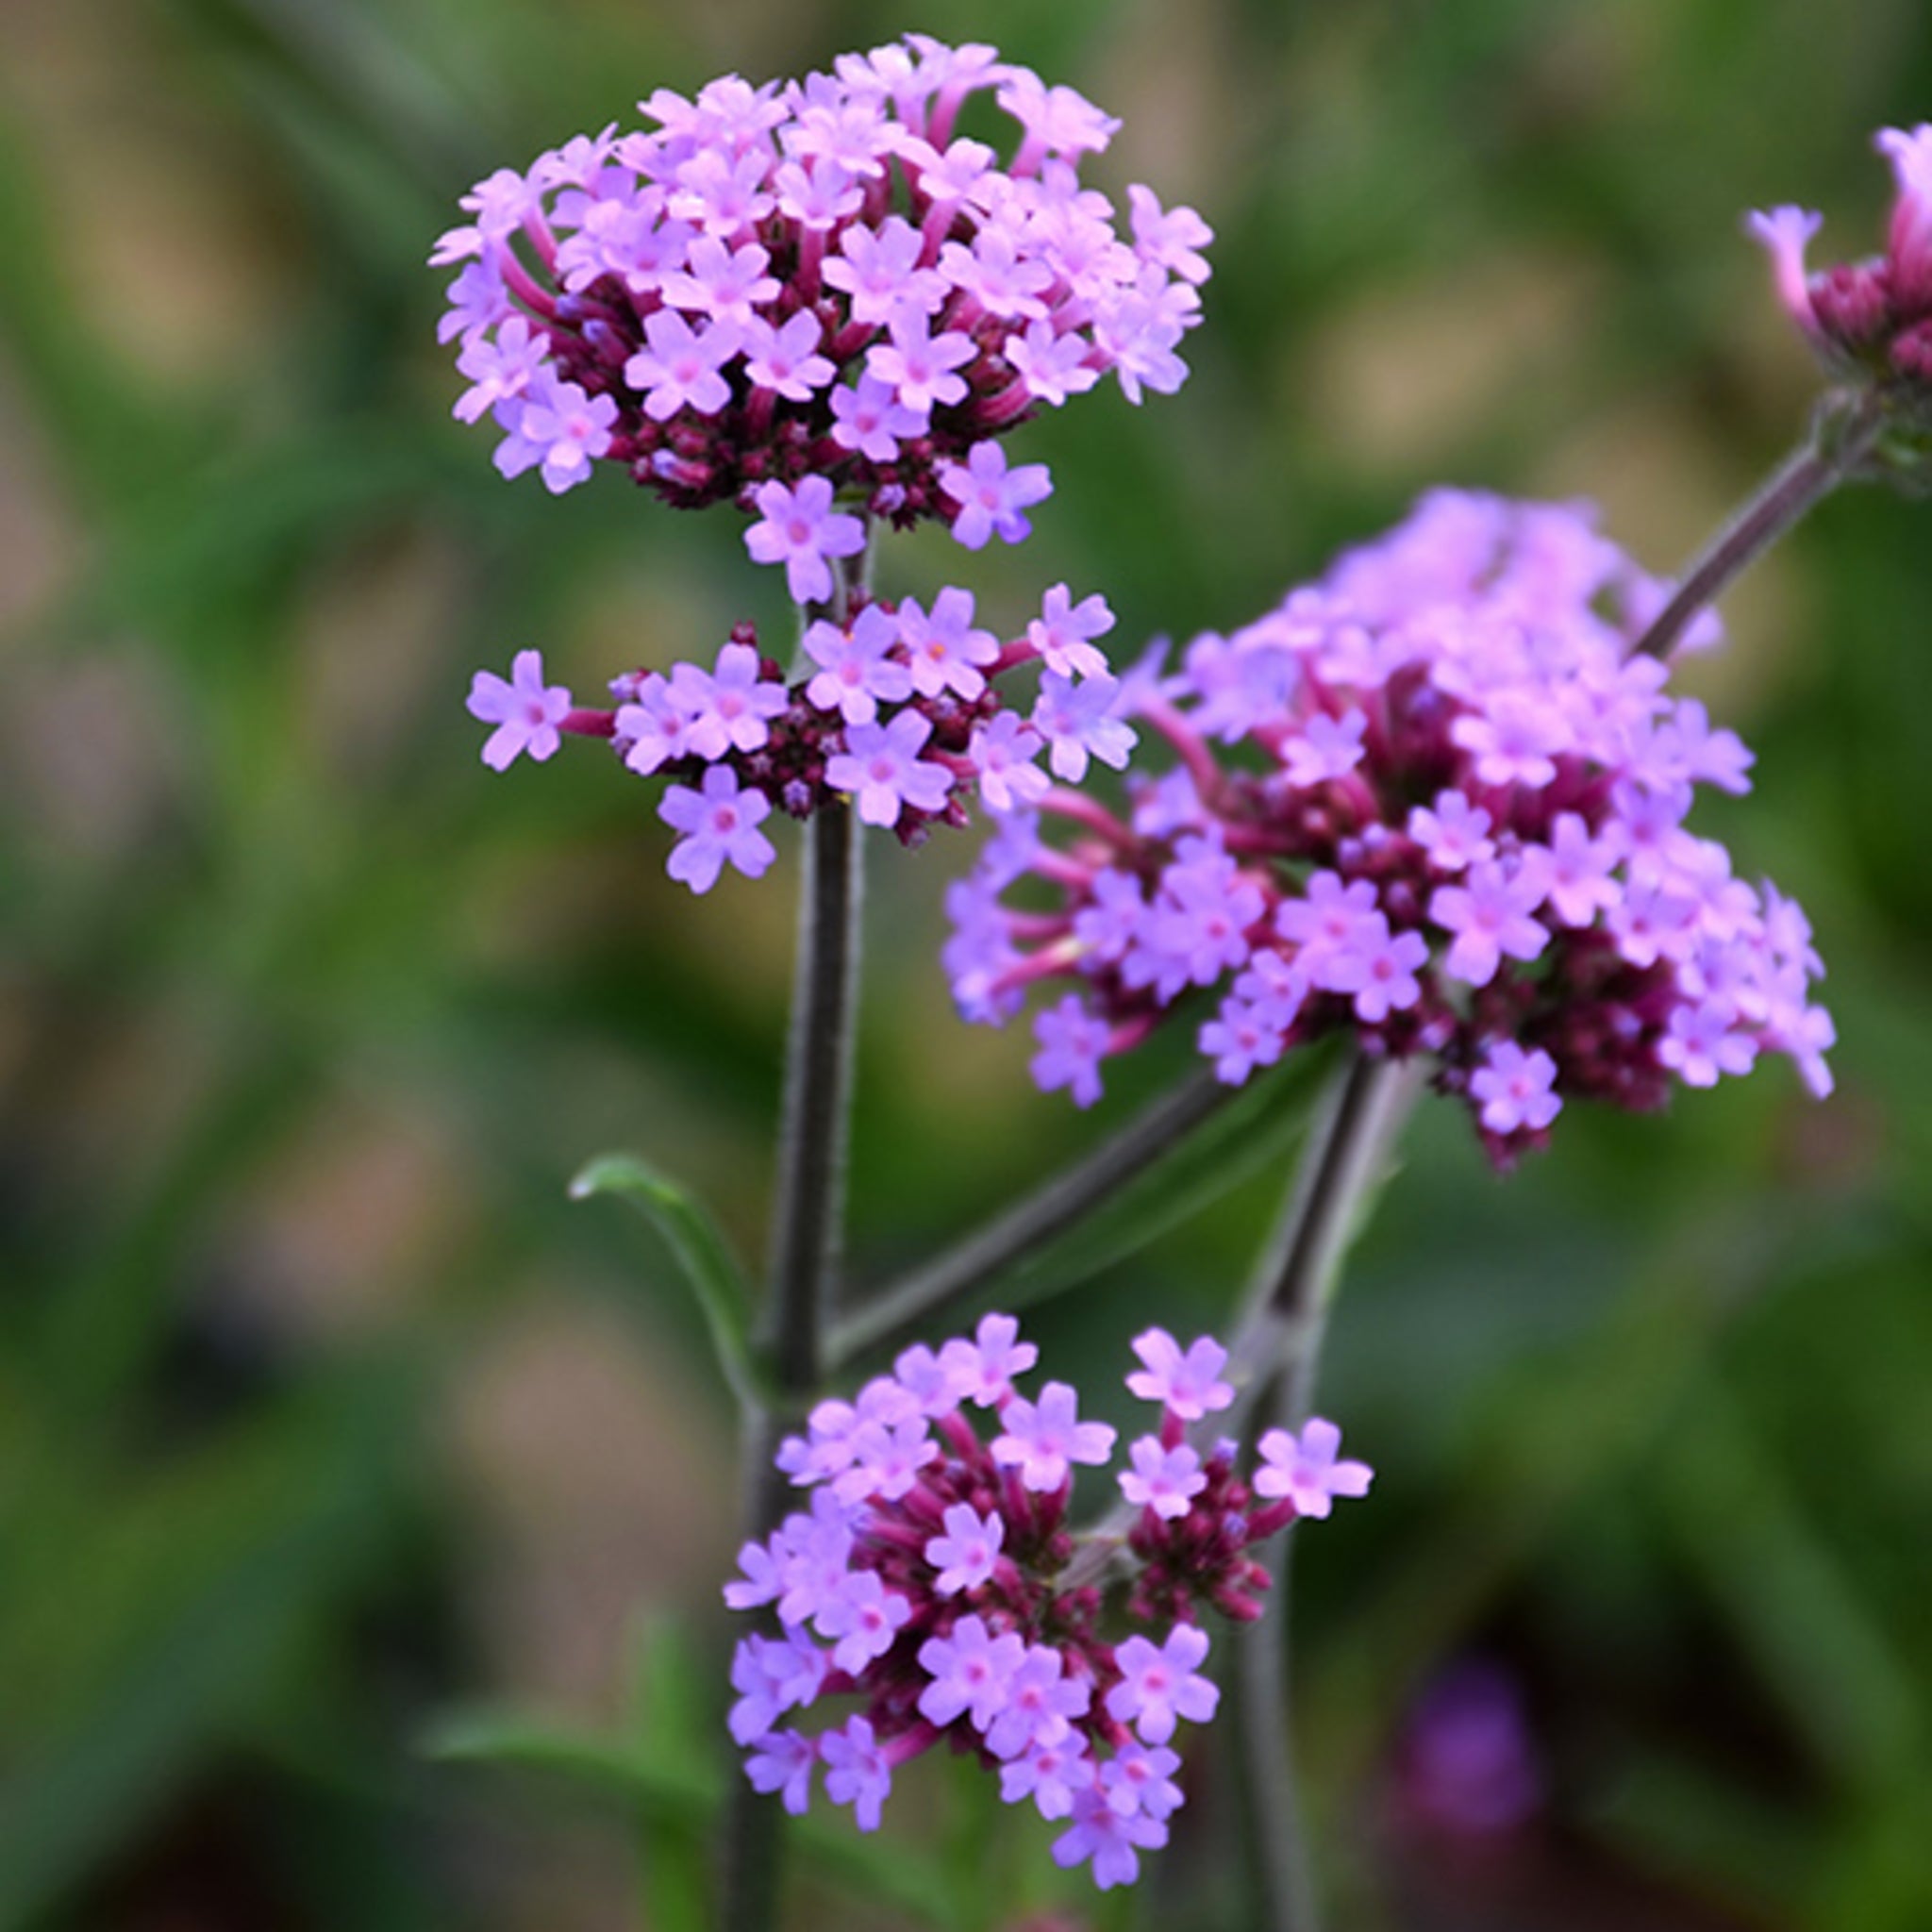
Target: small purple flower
(865, 1617)
(984, 1367)
(1041, 1703)
(1081, 721)
(1073, 1042)
(1700, 1043)
(1304, 1470)
(526, 711)
(1189, 1383)
(1139, 1781)
(970, 1670)
(1044, 1440)
(801, 530)
(1490, 917)
(1064, 631)
(946, 653)
(785, 359)
(678, 367)
(1380, 968)
(783, 1762)
(856, 1770)
(1324, 748)
(992, 499)
(1580, 868)
(720, 826)
(882, 769)
(733, 705)
(723, 283)
(1163, 1480)
(1050, 1774)
(1159, 1685)
(1455, 833)
(771, 1677)
(1052, 365)
(873, 421)
(919, 367)
(1003, 754)
(558, 425)
(966, 1553)
(1514, 1088)
(857, 671)
(1112, 1843)
(500, 370)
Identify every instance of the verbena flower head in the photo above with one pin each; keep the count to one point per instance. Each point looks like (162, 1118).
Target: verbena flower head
(1870, 319)
(935, 1590)
(901, 709)
(817, 285)
(1431, 801)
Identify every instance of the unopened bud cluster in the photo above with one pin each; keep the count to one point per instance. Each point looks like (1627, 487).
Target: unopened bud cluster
(1870, 320)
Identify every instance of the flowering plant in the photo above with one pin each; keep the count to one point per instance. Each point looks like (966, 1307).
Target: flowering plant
(1435, 803)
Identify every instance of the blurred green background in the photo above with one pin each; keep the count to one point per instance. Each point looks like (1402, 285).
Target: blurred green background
(323, 1413)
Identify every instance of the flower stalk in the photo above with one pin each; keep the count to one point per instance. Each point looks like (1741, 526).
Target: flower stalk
(1842, 435)
(1279, 1345)
(807, 1235)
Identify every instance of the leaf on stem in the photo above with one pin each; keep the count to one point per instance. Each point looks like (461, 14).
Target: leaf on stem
(706, 1261)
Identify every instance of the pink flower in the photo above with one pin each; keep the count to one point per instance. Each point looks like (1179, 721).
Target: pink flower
(1304, 1470)
(526, 711)
(801, 530)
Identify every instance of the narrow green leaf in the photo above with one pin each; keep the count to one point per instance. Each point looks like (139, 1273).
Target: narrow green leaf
(670, 1707)
(693, 1238)
(684, 1789)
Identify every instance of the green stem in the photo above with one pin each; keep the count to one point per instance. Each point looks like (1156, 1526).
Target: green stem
(1276, 1353)
(900, 1308)
(806, 1237)
(1842, 436)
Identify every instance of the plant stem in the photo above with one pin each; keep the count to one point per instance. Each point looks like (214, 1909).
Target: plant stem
(1841, 438)
(1024, 1229)
(1275, 1358)
(806, 1242)
(1287, 1306)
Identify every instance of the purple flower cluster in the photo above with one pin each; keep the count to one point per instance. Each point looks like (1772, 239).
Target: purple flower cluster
(931, 1580)
(1450, 819)
(897, 709)
(1869, 319)
(788, 293)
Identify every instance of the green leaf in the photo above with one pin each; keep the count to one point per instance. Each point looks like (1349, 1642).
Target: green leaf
(693, 1238)
(669, 1708)
(679, 1788)
(1254, 1133)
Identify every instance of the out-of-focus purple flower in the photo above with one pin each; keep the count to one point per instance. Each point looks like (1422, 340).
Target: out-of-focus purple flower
(1466, 1760)
(1073, 1042)
(1514, 1089)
